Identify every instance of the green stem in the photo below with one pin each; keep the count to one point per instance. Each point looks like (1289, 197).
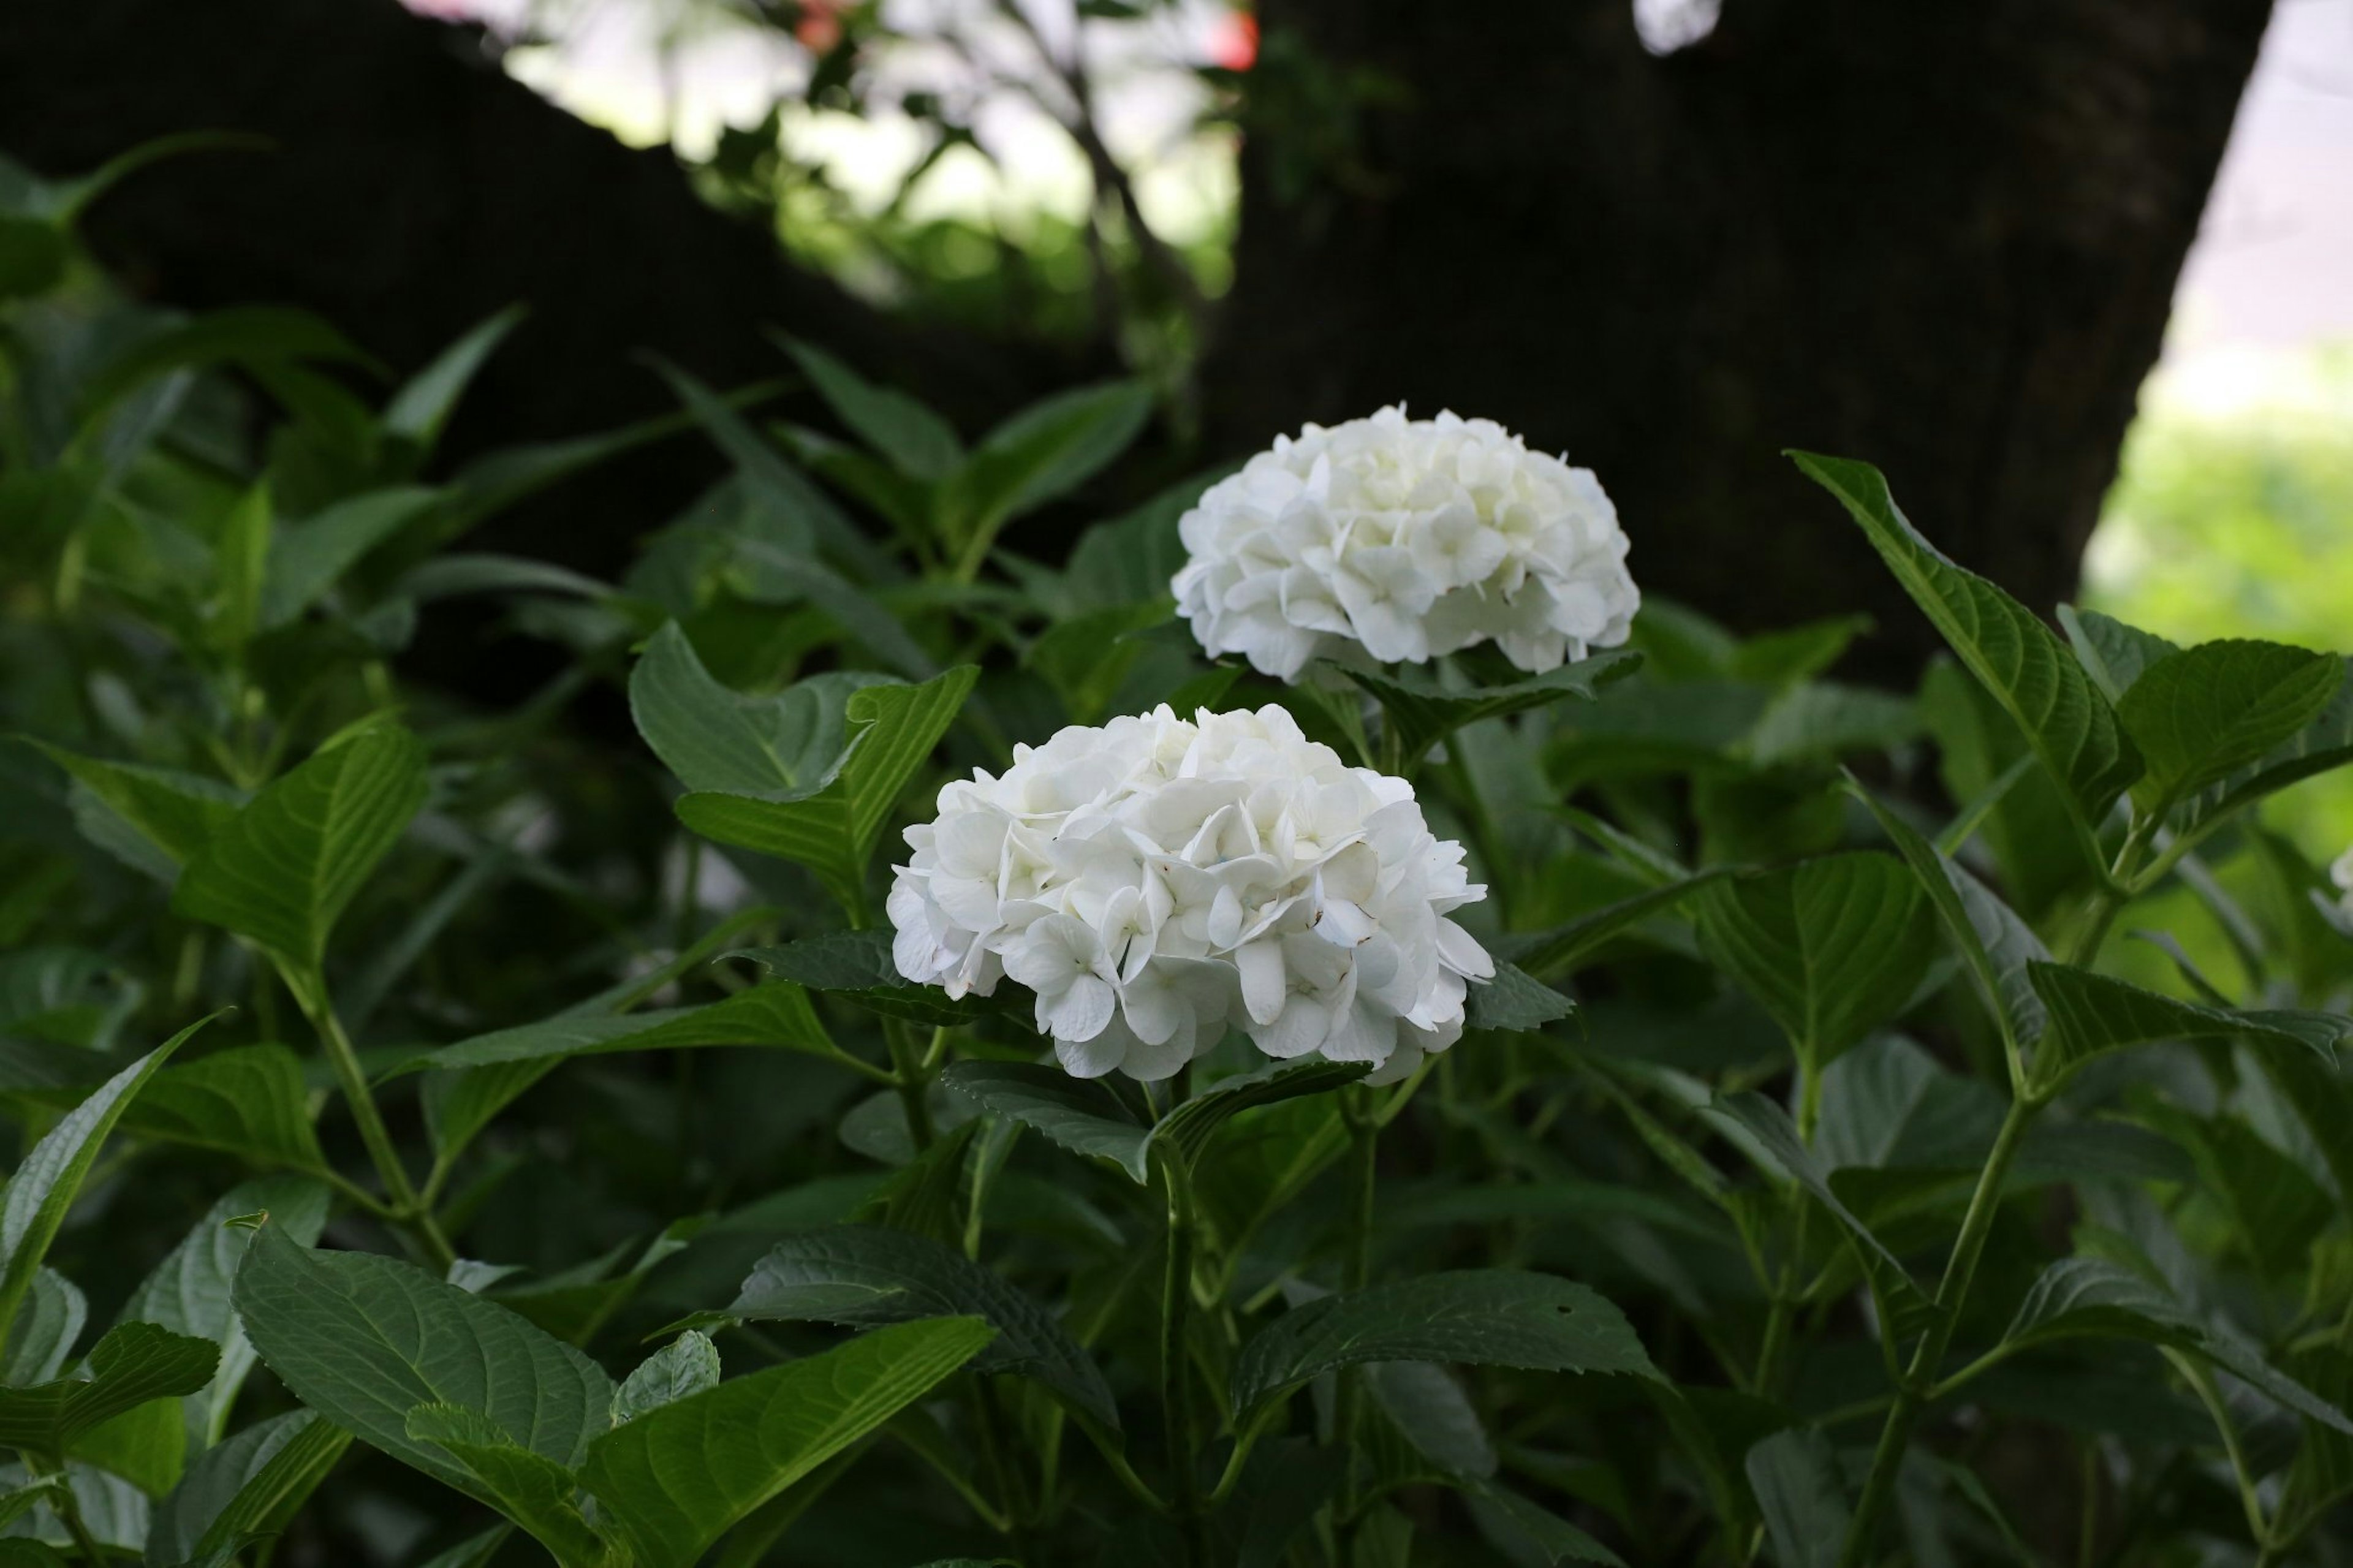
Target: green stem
(309, 989)
(69, 1508)
(1175, 1394)
(1960, 1269)
(913, 1082)
(1363, 1143)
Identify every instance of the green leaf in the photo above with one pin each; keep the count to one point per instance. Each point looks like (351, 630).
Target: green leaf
(916, 441)
(1795, 1474)
(1087, 657)
(1819, 720)
(47, 1328)
(860, 1277)
(240, 560)
(283, 868)
(1552, 1540)
(688, 1365)
(1999, 947)
(1082, 1115)
(1046, 450)
(33, 256)
(1566, 946)
(131, 1365)
(2091, 1295)
(189, 1291)
(247, 1101)
(421, 408)
(179, 811)
(251, 1484)
(1831, 947)
(251, 335)
(671, 1482)
(51, 1176)
(1424, 712)
(1490, 1317)
(365, 1339)
(2112, 653)
(857, 967)
(1514, 1002)
(1427, 1405)
(2202, 714)
(2092, 1015)
(1763, 1131)
(925, 1196)
(785, 746)
(308, 558)
(833, 832)
(776, 1015)
(527, 1486)
(2044, 691)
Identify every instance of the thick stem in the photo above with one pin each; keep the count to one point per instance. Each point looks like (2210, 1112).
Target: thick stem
(1960, 1269)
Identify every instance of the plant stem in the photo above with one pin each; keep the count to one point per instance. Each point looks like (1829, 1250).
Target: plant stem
(1919, 1381)
(914, 1083)
(1176, 1401)
(309, 989)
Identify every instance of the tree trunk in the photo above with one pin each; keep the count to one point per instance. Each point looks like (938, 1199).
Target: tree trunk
(1938, 235)
(412, 190)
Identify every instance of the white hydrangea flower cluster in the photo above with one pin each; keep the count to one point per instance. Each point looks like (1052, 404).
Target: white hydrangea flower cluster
(1405, 538)
(1158, 879)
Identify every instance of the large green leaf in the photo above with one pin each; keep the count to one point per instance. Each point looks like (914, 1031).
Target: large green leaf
(1046, 450)
(2201, 714)
(1424, 712)
(365, 1339)
(2118, 655)
(2092, 1015)
(2065, 719)
(861, 1276)
(833, 831)
(784, 746)
(188, 1292)
(247, 1101)
(1085, 1117)
(671, 1482)
(178, 812)
(283, 868)
(775, 1016)
(529, 1488)
(1489, 1317)
(1831, 947)
(1996, 944)
(2091, 1295)
(51, 1175)
(131, 1364)
(916, 441)
(249, 1485)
